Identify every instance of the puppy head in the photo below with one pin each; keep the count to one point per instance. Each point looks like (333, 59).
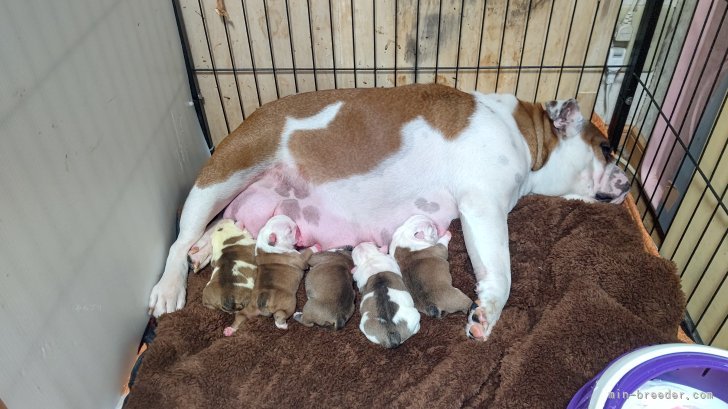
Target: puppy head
(279, 235)
(416, 233)
(363, 252)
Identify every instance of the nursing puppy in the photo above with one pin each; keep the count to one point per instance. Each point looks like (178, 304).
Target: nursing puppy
(280, 270)
(329, 290)
(233, 268)
(422, 258)
(388, 315)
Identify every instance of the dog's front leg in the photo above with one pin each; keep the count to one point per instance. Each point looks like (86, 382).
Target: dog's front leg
(485, 231)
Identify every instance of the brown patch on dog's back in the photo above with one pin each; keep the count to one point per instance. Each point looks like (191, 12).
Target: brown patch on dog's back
(595, 138)
(368, 127)
(536, 127)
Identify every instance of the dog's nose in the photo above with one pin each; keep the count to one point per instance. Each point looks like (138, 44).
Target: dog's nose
(604, 198)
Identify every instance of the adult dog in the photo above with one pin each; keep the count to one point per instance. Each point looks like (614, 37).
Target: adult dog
(351, 165)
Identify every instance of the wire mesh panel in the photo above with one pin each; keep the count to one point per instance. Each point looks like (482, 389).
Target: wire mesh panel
(246, 53)
(673, 144)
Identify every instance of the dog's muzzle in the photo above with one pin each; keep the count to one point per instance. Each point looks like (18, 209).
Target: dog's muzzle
(614, 186)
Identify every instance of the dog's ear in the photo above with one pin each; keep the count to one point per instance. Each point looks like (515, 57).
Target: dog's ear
(566, 116)
(272, 239)
(420, 235)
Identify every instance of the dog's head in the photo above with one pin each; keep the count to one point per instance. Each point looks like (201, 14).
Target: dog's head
(581, 165)
(416, 233)
(279, 235)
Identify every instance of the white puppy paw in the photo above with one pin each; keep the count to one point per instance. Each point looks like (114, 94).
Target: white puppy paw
(199, 255)
(228, 331)
(167, 296)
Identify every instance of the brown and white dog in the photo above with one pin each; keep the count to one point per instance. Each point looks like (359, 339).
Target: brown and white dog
(280, 270)
(233, 268)
(422, 258)
(388, 313)
(329, 289)
(351, 165)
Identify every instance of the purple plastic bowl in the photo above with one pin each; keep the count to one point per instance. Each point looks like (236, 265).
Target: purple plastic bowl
(697, 366)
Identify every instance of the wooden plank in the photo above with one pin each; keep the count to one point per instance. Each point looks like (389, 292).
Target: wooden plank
(227, 87)
(470, 39)
(384, 33)
(535, 42)
(512, 45)
(596, 55)
(555, 46)
(576, 49)
(406, 41)
(448, 38)
(343, 43)
(247, 82)
(427, 40)
(491, 45)
(364, 43)
(281, 44)
(261, 48)
(321, 32)
(301, 36)
(213, 108)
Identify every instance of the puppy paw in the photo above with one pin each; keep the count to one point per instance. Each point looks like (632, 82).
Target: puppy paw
(199, 257)
(298, 316)
(228, 331)
(281, 325)
(477, 327)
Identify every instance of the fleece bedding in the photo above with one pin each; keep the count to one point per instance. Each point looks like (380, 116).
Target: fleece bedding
(584, 291)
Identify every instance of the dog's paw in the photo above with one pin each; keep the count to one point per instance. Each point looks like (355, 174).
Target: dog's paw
(167, 296)
(281, 325)
(228, 331)
(298, 316)
(482, 317)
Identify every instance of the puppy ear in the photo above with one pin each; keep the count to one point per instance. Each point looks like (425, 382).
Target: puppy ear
(420, 235)
(566, 116)
(272, 239)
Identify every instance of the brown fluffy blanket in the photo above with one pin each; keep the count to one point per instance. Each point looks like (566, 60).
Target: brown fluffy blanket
(584, 291)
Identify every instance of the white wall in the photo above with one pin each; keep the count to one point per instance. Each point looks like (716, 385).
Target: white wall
(98, 148)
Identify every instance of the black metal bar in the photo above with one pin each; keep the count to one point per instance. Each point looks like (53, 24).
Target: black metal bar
(718, 331)
(606, 57)
(480, 43)
(566, 49)
(659, 78)
(374, 39)
(212, 62)
(588, 44)
(195, 92)
(396, 32)
(543, 52)
(270, 48)
(700, 239)
(500, 50)
(353, 44)
(252, 55)
(690, 328)
(437, 44)
(310, 37)
(717, 288)
(523, 47)
(410, 69)
(293, 54)
(640, 49)
(460, 36)
(417, 40)
(333, 47)
(232, 62)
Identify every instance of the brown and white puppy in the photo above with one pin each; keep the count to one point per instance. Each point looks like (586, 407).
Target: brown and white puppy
(233, 268)
(329, 289)
(422, 258)
(388, 314)
(349, 165)
(280, 270)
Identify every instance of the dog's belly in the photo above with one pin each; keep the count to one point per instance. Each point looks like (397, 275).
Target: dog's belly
(341, 213)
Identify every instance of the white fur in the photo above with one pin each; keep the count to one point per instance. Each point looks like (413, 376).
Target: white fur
(285, 230)
(405, 235)
(478, 176)
(406, 311)
(368, 261)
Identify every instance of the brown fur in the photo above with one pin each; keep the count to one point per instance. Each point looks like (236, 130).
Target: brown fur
(381, 310)
(537, 129)
(584, 291)
(279, 275)
(329, 289)
(220, 292)
(595, 138)
(365, 130)
(426, 273)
